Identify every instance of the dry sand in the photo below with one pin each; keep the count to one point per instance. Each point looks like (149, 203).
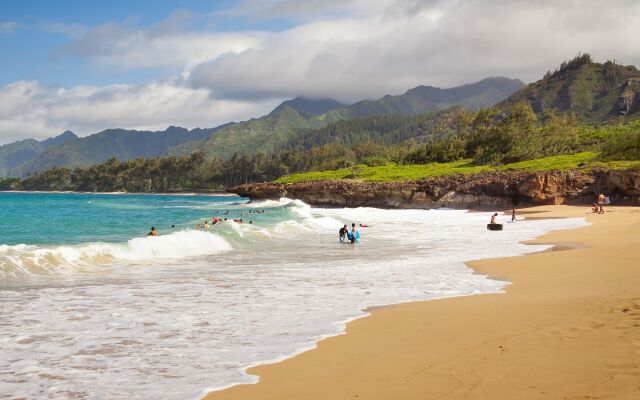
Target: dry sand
(567, 328)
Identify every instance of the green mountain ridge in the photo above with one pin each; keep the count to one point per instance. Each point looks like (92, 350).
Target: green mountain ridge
(265, 134)
(594, 92)
(119, 143)
(309, 107)
(292, 118)
(474, 96)
(17, 153)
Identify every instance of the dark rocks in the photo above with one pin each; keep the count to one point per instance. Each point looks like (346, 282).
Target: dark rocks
(490, 189)
(628, 96)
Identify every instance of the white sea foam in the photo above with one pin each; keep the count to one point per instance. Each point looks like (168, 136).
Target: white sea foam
(173, 327)
(273, 203)
(25, 259)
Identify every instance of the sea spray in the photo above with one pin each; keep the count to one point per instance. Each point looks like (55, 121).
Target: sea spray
(65, 259)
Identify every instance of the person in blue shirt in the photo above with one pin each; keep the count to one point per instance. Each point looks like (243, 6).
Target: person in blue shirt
(354, 234)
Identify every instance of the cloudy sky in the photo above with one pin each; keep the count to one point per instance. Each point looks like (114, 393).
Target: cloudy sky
(147, 64)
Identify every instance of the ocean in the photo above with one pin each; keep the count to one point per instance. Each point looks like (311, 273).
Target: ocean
(92, 308)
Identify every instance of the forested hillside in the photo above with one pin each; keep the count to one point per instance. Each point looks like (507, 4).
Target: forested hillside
(453, 141)
(12, 155)
(119, 143)
(268, 134)
(283, 127)
(594, 92)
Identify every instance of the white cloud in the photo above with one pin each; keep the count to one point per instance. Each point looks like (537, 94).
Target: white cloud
(72, 30)
(168, 44)
(347, 50)
(31, 110)
(9, 26)
(407, 43)
(305, 10)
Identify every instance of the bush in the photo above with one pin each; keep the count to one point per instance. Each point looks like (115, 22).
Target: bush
(625, 146)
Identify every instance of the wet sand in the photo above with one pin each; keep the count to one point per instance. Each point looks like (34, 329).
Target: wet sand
(568, 327)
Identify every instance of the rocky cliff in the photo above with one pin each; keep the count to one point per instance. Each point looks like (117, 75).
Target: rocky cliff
(491, 189)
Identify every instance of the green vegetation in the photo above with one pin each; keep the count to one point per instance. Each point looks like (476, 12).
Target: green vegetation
(624, 146)
(14, 154)
(475, 96)
(265, 134)
(393, 172)
(268, 134)
(120, 143)
(139, 175)
(293, 145)
(377, 149)
(294, 123)
(593, 92)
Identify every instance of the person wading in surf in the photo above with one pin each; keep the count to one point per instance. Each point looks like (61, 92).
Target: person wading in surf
(353, 234)
(342, 233)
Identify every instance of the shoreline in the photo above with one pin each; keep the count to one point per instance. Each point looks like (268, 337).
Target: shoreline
(302, 371)
(209, 194)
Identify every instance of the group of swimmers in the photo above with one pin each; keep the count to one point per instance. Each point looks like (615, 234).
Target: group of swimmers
(214, 221)
(352, 235)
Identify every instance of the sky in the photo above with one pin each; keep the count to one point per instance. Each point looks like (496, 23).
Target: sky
(142, 64)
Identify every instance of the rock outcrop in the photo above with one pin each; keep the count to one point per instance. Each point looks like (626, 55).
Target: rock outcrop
(628, 96)
(490, 189)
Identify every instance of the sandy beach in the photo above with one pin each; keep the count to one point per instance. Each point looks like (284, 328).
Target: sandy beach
(568, 327)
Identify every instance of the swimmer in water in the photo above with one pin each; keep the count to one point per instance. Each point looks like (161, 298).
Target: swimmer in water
(342, 233)
(153, 232)
(353, 234)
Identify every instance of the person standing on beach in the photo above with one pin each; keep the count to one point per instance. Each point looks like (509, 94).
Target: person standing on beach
(513, 215)
(493, 218)
(601, 203)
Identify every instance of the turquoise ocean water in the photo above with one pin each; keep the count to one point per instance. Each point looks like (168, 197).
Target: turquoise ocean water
(59, 218)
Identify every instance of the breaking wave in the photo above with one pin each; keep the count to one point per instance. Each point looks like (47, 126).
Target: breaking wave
(28, 259)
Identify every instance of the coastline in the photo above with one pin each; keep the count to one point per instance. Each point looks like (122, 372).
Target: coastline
(212, 193)
(561, 329)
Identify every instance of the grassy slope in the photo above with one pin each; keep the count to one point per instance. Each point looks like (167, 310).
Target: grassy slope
(392, 172)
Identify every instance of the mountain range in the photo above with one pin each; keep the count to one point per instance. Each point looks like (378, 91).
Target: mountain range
(294, 117)
(595, 93)
(475, 96)
(14, 154)
(119, 143)
(265, 134)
